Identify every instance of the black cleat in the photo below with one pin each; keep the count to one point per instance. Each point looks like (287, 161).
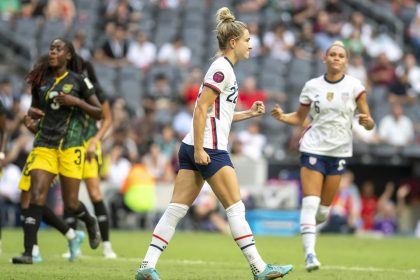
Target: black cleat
(94, 234)
(22, 260)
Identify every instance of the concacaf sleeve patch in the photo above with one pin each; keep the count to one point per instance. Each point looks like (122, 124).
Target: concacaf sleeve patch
(218, 77)
(88, 83)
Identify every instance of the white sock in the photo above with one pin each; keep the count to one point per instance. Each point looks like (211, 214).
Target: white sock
(70, 234)
(322, 214)
(310, 206)
(35, 250)
(163, 233)
(243, 236)
(107, 245)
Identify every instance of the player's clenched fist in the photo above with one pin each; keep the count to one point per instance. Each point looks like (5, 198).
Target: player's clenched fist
(277, 112)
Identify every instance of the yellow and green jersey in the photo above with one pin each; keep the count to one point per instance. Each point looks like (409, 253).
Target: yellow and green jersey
(62, 126)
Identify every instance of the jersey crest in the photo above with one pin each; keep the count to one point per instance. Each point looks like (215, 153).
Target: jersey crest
(330, 96)
(67, 88)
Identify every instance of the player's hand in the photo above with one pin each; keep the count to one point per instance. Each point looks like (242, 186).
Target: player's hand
(91, 150)
(257, 108)
(365, 121)
(30, 123)
(67, 99)
(35, 113)
(277, 112)
(201, 157)
(403, 191)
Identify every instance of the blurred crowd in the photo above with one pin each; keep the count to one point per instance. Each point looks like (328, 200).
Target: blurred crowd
(150, 56)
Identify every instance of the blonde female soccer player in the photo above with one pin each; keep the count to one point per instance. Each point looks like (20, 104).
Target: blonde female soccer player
(203, 155)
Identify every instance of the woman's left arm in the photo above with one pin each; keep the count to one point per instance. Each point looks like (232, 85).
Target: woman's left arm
(91, 106)
(364, 116)
(256, 110)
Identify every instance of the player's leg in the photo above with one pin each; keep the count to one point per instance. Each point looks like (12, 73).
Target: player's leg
(71, 162)
(40, 182)
(225, 185)
(70, 193)
(93, 187)
(188, 184)
(312, 182)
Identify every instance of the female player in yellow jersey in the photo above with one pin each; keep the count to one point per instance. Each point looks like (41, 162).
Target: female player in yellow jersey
(331, 100)
(60, 98)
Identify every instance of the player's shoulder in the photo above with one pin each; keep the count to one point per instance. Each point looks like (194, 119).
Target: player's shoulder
(221, 63)
(352, 80)
(315, 82)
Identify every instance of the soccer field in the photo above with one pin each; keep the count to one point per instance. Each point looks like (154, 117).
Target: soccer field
(197, 255)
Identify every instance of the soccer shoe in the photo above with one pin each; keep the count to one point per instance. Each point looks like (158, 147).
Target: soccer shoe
(22, 260)
(312, 262)
(74, 245)
(94, 234)
(147, 274)
(273, 272)
(109, 253)
(37, 258)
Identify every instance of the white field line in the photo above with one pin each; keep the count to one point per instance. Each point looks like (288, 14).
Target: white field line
(207, 263)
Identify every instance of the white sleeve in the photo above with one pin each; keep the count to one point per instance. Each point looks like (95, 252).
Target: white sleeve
(216, 78)
(306, 96)
(358, 90)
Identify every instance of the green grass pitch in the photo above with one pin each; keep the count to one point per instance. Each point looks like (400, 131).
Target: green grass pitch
(198, 255)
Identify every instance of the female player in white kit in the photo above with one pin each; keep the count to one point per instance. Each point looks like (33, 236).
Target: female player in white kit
(331, 100)
(203, 155)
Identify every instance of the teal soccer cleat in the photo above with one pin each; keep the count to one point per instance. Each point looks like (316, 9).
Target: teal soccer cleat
(74, 245)
(37, 258)
(147, 274)
(273, 272)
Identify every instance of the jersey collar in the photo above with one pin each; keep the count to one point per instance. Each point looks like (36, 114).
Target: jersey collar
(333, 82)
(229, 61)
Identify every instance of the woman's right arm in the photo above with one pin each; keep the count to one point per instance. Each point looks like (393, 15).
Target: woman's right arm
(205, 100)
(295, 118)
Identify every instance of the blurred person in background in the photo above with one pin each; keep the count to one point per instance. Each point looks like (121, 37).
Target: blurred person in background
(331, 100)
(369, 205)
(396, 128)
(141, 52)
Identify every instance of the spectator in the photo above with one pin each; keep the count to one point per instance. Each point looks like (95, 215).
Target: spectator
(142, 52)
(249, 6)
(279, 42)
(167, 142)
(307, 12)
(396, 129)
(6, 93)
(409, 64)
(357, 69)
(357, 22)
(414, 33)
(382, 72)
(192, 84)
(61, 10)
(175, 53)
(80, 46)
(386, 218)
(305, 48)
(361, 135)
(253, 141)
(205, 212)
(249, 93)
(255, 42)
(158, 165)
(115, 48)
(400, 91)
(369, 204)
(382, 41)
(160, 101)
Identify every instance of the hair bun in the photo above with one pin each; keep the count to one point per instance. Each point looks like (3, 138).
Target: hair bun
(224, 15)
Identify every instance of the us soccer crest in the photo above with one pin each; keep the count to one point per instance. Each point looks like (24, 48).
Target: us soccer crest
(330, 95)
(312, 160)
(67, 88)
(345, 96)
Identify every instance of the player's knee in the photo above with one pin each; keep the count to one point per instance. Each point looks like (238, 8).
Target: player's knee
(237, 209)
(322, 214)
(71, 206)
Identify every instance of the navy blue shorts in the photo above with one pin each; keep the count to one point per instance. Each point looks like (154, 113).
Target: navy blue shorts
(324, 164)
(219, 159)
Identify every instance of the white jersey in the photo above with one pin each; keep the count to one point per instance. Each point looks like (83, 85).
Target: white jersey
(332, 109)
(221, 78)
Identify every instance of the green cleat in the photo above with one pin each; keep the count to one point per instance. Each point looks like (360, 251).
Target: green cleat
(273, 272)
(147, 274)
(74, 245)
